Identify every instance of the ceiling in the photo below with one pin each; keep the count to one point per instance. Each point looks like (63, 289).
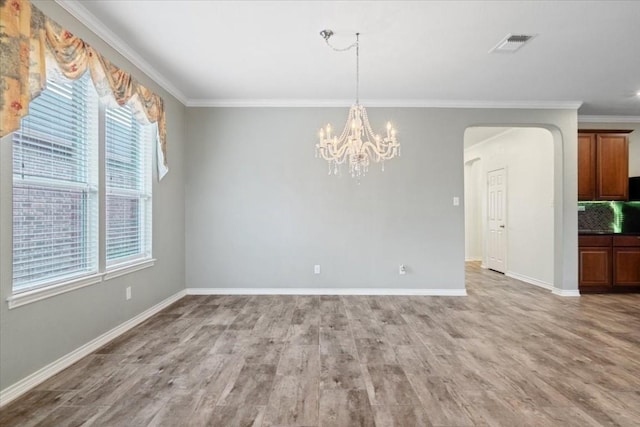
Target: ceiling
(413, 53)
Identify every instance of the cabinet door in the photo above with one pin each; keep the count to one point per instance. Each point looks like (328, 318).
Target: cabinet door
(627, 266)
(594, 267)
(612, 162)
(586, 166)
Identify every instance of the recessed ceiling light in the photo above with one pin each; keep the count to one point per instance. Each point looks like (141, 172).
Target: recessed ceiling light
(638, 93)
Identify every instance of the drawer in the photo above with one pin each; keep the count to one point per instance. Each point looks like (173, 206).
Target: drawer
(626, 241)
(593, 241)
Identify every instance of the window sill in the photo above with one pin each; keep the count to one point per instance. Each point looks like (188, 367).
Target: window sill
(24, 298)
(121, 270)
(28, 297)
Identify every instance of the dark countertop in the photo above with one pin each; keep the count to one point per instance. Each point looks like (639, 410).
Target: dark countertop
(607, 233)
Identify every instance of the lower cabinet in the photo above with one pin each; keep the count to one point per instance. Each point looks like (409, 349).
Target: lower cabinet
(608, 263)
(626, 261)
(595, 263)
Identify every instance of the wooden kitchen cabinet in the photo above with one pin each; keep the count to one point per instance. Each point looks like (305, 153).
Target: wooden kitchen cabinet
(603, 165)
(595, 263)
(586, 166)
(612, 167)
(626, 261)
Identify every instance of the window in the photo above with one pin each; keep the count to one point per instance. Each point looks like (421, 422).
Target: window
(58, 187)
(128, 185)
(55, 186)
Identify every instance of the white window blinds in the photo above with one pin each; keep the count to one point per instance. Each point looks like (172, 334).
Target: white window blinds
(128, 186)
(55, 186)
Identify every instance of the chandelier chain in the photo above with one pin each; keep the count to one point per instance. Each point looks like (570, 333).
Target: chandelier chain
(328, 35)
(340, 49)
(357, 68)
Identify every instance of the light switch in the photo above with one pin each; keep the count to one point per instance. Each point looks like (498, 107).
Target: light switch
(316, 269)
(456, 201)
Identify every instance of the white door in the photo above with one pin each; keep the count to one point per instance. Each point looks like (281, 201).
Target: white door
(496, 216)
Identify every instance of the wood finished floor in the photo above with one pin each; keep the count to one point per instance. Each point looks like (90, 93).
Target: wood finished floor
(509, 354)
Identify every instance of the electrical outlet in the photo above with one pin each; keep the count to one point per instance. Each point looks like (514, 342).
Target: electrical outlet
(128, 292)
(402, 269)
(316, 269)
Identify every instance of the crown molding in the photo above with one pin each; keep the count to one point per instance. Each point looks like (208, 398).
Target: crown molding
(608, 119)
(244, 103)
(75, 8)
(406, 103)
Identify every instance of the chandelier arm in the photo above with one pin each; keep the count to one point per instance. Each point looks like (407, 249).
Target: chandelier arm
(389, 149)
(340, 152)
(330, 158)
(336, 152)
(338, 159)
(382, 147)
(385, 150)
(386, 155)
(371, 148)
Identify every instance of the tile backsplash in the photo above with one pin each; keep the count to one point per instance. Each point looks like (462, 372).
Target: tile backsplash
(609, 217)
(596, 216)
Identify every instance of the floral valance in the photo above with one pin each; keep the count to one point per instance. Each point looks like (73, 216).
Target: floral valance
(29, 39)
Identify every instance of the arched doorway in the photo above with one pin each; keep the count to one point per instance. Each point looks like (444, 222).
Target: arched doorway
(523, 159)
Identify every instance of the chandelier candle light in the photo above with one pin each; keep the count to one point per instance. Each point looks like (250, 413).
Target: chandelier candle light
(357, 142)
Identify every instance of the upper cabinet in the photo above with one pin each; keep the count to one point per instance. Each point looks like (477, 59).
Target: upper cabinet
(603, 165)
(586, 166)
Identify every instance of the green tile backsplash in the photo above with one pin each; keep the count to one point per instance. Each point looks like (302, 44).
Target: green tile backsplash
(612, 217)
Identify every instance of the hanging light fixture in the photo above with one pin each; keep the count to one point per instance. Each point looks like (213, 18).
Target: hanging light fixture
(357, 143)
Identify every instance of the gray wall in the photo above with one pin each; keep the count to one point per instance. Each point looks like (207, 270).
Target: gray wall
(37, 334)
(261, 210)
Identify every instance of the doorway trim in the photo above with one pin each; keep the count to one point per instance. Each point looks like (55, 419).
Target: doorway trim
(565, 171)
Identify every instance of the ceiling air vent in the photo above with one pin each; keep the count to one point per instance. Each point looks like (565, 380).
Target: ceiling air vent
(511, 43)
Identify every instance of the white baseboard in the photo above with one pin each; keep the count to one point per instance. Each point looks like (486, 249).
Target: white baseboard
(325, 291)
(566, 292)
(529, 280)
(472, 259)
(16, 390)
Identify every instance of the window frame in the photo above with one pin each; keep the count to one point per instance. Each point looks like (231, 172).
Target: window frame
(148, 135)
(81, 160)
(104, 271)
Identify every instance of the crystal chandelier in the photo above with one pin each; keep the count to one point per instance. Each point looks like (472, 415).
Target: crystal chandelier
(357, 143)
